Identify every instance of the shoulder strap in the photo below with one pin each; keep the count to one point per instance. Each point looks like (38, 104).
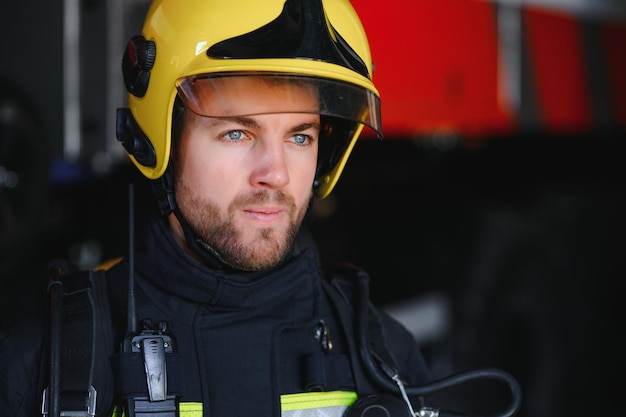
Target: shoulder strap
(71, 345)
(80, 344)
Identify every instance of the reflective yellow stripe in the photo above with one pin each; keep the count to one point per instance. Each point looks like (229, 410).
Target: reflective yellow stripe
(190, 409)
(309, 400)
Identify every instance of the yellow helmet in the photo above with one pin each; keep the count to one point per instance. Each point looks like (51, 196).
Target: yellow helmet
(185, 43)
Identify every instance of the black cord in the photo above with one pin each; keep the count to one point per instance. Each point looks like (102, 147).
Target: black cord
(382, 374)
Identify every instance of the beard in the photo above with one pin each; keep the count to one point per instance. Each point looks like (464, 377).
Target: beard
(265, 249)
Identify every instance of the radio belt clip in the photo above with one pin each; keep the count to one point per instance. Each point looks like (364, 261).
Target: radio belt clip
(156, 372)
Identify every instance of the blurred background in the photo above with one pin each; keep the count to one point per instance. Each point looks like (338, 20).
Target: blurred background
(491, 217)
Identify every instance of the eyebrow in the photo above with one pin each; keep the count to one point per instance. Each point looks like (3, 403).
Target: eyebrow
(252, 123)
(242, 120)
(305, 126)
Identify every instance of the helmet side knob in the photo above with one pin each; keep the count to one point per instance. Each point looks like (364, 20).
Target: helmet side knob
(137, 62)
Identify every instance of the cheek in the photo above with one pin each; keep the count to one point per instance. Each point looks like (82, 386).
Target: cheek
(302, 174)
(204, 171)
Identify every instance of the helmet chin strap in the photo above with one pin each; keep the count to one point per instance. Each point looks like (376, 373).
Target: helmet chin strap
(163, 189)
(198, 246)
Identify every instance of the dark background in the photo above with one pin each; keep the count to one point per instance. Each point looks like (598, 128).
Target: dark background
(515, 245)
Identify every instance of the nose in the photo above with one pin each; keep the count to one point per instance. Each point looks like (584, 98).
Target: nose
(270, 165)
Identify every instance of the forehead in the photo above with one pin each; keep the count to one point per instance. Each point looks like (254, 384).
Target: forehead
(248, 95)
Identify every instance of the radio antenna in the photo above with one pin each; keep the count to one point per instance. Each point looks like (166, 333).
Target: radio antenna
(132, 320)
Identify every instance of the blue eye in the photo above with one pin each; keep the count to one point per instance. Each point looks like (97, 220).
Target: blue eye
(234, 135)
(300, 139)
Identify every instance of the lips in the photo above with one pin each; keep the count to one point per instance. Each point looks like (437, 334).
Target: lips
(264, 214)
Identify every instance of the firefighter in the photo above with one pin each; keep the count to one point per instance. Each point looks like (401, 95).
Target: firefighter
(240, 113)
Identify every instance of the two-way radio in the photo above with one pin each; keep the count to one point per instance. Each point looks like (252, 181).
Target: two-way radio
(151, 344)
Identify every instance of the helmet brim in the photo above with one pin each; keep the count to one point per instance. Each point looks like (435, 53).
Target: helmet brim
(211, 95)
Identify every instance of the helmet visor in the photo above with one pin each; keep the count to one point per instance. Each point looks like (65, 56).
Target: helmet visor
(245, 94)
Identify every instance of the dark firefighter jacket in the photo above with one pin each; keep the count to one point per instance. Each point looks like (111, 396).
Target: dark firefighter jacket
(246, 343)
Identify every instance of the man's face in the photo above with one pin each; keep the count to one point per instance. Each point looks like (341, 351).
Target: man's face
(244, 182)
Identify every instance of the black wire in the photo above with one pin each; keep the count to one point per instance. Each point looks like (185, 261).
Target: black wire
(383, 374)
